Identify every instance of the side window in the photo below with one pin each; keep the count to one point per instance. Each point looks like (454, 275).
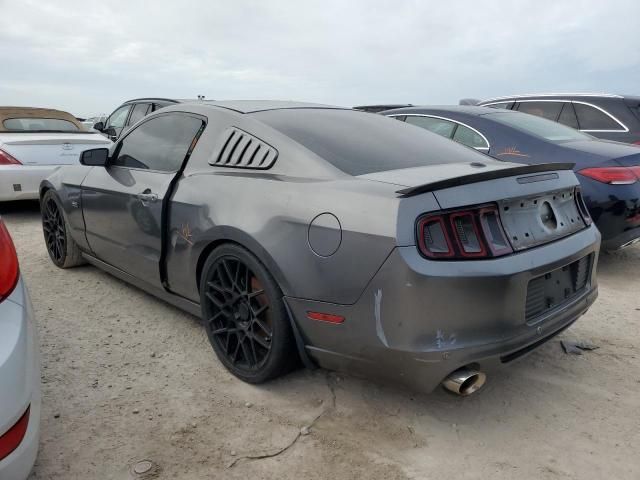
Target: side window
(468, 137)
(117, 118)
(158, 106)
(548, 110)
(160, 143)
(435, 125)
(400, 118)
(139, 111)
(568, 116)
(590, 118)
(505, 105)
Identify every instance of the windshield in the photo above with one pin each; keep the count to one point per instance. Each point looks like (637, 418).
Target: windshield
(33, 124)
(540, 127)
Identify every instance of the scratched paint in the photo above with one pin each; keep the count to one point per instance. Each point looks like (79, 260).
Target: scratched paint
(377, 297)
(444, 340)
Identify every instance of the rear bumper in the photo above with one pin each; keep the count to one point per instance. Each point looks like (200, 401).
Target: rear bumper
(19, 381)
(419, 320)
(22, 182)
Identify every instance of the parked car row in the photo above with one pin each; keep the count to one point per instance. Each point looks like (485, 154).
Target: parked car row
(333, 236)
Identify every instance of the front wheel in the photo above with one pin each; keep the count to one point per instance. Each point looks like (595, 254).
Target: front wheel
(61, 246)
(245, 317)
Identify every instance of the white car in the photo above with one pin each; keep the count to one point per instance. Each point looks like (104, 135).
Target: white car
(33, 143)
(19, 369)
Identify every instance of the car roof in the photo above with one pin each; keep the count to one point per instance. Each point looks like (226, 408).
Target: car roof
(252, 106)
(158, 99)
(552, 96)
(35, 112)
(434, 109)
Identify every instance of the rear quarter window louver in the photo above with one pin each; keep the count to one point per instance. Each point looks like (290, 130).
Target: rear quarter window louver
(239, 149)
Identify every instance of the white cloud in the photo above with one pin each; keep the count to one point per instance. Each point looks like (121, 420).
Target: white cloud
(88, 57)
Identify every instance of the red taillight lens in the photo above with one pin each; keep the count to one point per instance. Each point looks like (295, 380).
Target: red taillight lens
(10, 440)
(475, 233)
(6, 159)
(467, 235)
(612, 175)
(433, 237)
(8, 263)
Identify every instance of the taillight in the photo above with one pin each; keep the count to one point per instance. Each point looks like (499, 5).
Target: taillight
(8, 263)
(7, 159)
(463, 234)
(11, 439)
(613, 175)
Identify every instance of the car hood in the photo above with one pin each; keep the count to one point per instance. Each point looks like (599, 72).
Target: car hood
(415, 176)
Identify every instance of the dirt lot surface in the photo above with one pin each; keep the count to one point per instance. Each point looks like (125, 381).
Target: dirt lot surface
(128, 378)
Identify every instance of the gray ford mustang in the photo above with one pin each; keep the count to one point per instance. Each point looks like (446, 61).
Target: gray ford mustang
(339, 238)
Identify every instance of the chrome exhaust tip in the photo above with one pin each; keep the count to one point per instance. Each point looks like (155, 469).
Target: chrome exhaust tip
(464, 381)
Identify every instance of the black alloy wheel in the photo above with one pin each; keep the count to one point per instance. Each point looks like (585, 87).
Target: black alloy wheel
(54, 231)
(244, 316)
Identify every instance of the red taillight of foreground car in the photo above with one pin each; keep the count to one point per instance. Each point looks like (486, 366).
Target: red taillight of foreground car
(8, 263)
(10, 440)
(613, 175)
(6, 159)
(463, 234)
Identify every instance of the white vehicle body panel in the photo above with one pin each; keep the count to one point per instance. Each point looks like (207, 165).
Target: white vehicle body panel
(40, 154)
(19, 380)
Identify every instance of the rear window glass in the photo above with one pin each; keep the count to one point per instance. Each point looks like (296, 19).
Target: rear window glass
(552, 131)
(359, 143)
(39, 125)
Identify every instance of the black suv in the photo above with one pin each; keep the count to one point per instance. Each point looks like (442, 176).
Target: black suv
(129, 113)
(612, 117)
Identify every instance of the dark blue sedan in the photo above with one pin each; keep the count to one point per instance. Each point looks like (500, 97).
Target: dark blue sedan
(609, 172)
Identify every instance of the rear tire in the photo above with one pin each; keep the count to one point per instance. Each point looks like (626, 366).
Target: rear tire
(245, 316)
(62, 248)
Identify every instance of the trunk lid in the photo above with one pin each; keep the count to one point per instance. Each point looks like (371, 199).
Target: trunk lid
(50, 148)
(537, 203)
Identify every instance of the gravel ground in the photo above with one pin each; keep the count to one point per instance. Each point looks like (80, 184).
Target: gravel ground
(128, 378)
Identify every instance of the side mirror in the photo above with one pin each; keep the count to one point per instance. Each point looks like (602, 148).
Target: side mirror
(111, 133)
(98, 126)
(96, 157)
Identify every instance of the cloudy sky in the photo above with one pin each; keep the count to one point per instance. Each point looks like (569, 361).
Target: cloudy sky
(88, 56)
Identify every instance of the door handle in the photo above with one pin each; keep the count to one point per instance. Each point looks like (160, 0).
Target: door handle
(147, 196)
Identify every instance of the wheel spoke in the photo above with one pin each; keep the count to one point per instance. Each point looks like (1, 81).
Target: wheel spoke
(254, 294)
(261, 341)
(214, 300)
(261, 309)
(262, 326)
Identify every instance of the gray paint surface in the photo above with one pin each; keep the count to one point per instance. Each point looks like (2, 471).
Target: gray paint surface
(408, 319)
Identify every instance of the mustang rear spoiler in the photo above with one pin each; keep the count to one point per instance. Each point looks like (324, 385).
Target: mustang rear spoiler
(490, 175)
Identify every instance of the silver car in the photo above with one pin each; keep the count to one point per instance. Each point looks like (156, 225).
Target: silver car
(19, 369)
(343, 238)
